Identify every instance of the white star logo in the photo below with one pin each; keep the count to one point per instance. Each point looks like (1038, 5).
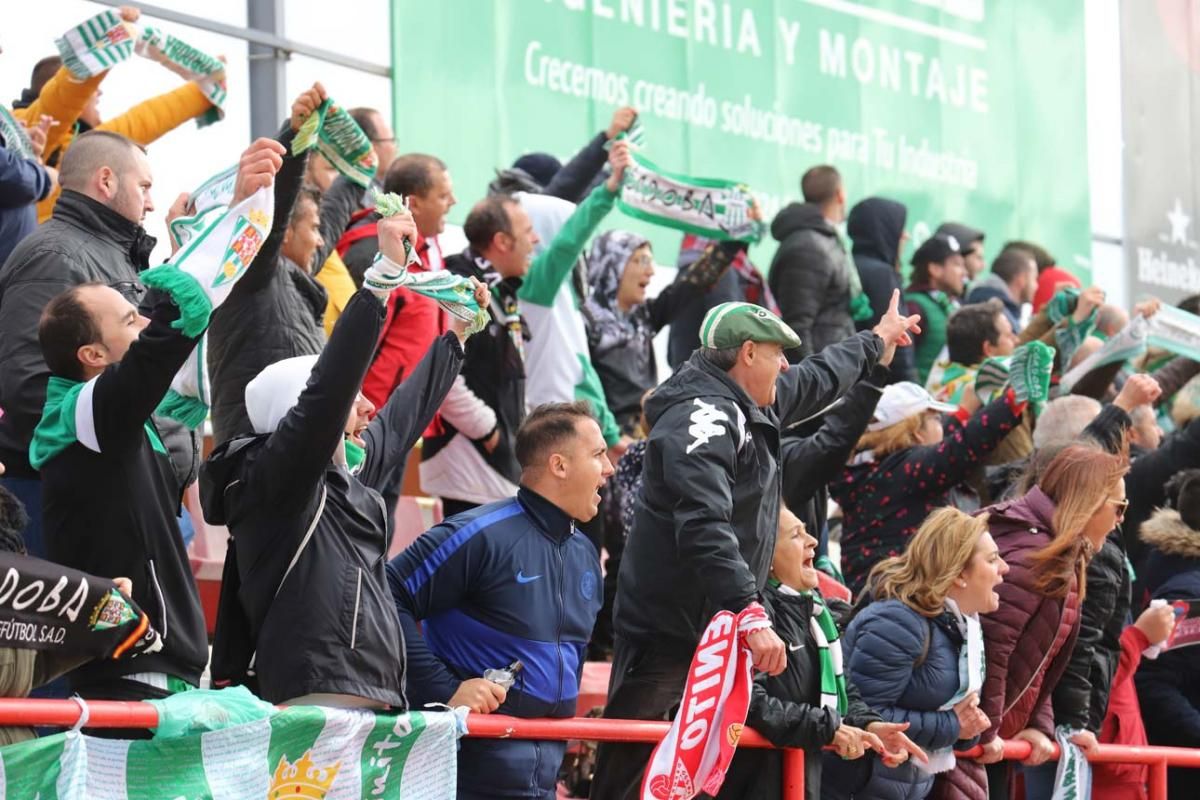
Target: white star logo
(1179, 223)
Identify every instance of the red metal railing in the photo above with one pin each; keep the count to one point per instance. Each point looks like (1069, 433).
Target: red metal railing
(114, 714)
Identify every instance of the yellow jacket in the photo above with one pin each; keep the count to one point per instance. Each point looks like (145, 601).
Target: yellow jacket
(63, 97)
(338, 285)
(143, 123)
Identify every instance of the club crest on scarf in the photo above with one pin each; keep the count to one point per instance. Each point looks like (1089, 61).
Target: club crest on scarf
(247, 240)
(303, 780)
(696, 752)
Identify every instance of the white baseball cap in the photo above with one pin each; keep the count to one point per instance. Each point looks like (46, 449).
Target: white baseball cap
(903, 400)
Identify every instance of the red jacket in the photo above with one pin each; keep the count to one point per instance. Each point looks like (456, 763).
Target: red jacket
(413, 321)
(1123, 725)
(1049, 281)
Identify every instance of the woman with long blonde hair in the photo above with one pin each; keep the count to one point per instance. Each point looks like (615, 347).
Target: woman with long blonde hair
(916, 652)
(1047, 537)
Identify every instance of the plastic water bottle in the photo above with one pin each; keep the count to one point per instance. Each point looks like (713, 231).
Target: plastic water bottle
(1153, 650)
(505, 676)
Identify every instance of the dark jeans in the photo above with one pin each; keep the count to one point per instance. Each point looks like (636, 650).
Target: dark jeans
(645, 684)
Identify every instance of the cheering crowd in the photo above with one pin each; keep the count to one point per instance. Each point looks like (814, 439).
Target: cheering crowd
(934, 502)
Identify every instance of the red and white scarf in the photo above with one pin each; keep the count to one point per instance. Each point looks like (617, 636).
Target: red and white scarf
(696, 751)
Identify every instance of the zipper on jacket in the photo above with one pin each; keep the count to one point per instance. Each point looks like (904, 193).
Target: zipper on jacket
(1041, 666)
(357, 600)
(162, 602)
(386, 542)
(562, 612)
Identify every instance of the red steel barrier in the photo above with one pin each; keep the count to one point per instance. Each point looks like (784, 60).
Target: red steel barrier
(117, 714)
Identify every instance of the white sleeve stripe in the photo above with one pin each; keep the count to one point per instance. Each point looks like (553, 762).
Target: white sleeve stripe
(85, 424)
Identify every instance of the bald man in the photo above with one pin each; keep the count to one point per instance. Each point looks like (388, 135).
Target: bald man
(94, 235)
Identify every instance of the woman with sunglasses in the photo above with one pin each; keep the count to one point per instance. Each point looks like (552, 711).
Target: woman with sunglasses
(1047, 537)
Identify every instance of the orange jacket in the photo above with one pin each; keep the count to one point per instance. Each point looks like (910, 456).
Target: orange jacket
(143, 123)
(63, 97)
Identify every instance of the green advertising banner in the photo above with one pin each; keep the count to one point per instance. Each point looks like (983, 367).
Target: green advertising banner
(967, 110)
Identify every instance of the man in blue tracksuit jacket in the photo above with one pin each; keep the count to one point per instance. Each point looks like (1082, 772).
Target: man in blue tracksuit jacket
(508, 581)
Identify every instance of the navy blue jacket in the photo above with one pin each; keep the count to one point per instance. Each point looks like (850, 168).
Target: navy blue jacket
(23, 182)
(505, 581)
(882, 647)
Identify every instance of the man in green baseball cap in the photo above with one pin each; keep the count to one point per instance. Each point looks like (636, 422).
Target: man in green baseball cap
(704, 526)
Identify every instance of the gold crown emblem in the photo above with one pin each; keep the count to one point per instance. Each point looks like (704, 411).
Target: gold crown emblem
(303, 780)
(260, 218)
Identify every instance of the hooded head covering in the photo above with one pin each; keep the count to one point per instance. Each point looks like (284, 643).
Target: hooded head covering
(606, 262)
(875, 226)
(275, 390)
(542, 167)
(548, 214)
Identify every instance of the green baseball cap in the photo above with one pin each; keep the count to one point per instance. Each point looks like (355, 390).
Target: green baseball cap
(731, 324)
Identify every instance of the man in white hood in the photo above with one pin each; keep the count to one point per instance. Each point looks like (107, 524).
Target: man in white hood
(306, 613)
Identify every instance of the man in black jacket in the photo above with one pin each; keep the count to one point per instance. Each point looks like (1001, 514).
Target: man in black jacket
(95, 235)
(110, 498)
(276, 310)
(810, 274)
(305, 605)
(704, 529)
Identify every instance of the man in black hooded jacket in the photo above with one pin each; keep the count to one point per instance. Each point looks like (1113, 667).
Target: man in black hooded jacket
(876, 229)
(704, 527)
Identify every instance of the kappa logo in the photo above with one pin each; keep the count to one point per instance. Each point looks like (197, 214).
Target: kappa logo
(705, 425)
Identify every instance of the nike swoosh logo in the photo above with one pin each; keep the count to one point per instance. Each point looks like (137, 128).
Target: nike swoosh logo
(794, 647)
(523, 578)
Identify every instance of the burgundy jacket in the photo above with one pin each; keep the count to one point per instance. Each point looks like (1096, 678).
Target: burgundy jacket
(1018, 637)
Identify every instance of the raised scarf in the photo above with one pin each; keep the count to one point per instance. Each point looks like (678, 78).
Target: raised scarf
(14, 135)
(700, 744)
(49, 607)
(335, 135)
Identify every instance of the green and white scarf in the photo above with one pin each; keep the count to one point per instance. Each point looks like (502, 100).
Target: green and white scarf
(1171, 329)
(709, 207)
(228, 746)
(191, 64)
(335, 135)
(972, 669)
(97, 44)
(15, 136)
(1073, 779)
(829, 650)
(1027, 372)
(101, 42)
(454, 293)
(199, 278)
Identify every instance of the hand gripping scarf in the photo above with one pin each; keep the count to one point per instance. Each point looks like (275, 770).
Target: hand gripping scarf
(1171, 329)
(972, 669)
(49, 607)
(697, 750)
(220, 244)
(453, 293)
(1027, 372)
(1073, 780)
(335, 135)
(709, 207)
(105, 40)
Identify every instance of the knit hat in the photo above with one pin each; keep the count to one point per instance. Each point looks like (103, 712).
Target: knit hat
(542, 167)
(731, 324)
(903, 400)
(1183, 494)
(273, 392)
(936, 249)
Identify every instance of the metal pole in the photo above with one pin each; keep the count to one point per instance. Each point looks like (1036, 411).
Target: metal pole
(268, 68)
(1156, 786)
(793, 774)
(257, 36)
